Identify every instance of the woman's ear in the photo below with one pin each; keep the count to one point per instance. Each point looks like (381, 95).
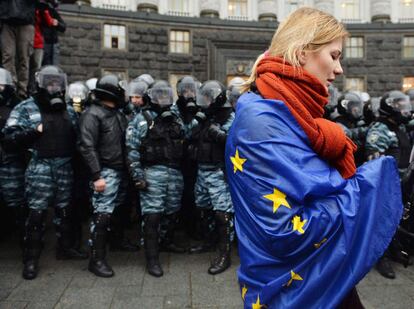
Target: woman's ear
(302, 57)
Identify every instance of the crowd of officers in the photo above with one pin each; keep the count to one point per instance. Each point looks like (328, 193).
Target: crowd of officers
(382, 126)
(103, 143)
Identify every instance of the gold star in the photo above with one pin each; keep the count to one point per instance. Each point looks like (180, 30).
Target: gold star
(244, 291)
(319, 244)
(298, 224)
(278, 198)
(257, 304)
(293, 276)
(237, 162)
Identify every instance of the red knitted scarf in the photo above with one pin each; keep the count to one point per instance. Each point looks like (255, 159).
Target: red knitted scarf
(305, 97)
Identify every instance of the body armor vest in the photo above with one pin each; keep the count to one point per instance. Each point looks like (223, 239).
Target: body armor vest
(58, 136)
(163, 143)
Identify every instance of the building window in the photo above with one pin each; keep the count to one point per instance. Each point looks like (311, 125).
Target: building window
(354, 47)
(355, 84)
(408, 47)
(115, 5)
(180, 41)
(350, 11)
(179, 7)
(237, 9)
(293, 5)
(406, 11)
(408, 83)
(114, 37)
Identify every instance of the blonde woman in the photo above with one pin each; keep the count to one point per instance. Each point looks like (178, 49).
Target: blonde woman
(310, 225)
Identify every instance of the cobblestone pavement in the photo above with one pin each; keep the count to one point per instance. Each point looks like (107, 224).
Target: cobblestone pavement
(186, 284)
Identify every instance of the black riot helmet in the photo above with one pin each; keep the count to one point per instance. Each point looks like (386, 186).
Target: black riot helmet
(51, 84)
(350, 104)
(234, 90)
(161, 98)
(212, 96)
(396, 105)
(78, 94)
(111, 88)
(187, 89)
(7, 88)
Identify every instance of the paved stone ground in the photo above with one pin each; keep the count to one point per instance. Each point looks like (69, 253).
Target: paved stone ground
(186, 284)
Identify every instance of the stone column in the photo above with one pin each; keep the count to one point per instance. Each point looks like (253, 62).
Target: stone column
(327, 6)
(267, 10)
(149, 6)
(380, 10)
(210, 8)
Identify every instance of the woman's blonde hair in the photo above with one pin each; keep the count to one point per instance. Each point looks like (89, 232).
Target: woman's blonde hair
(306, 29)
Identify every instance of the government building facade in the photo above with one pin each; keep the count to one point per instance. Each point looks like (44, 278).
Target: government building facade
(212, 39)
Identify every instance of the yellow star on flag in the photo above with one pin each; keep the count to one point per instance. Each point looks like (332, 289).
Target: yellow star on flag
(244, 291)
(237, 162)
(298, 224)
(293, 276)
(257, 304)
(278, 198)
(319, 244)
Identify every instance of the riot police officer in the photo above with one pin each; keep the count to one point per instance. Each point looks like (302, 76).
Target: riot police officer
(388, 136)
(350, 110)
(12, 161)
(48, 126)
(211, 190)
(137, 98)
(155, 147)
(102, 146)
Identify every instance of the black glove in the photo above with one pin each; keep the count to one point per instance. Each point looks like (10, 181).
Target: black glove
(216, 133)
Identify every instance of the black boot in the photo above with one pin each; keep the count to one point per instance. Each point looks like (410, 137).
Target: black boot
(208, 234)
(151, 225)
(65, 235)
(118, 241)
(33, 243)
(97, 263)
(167, 244)
(222, 261)
(384, 268)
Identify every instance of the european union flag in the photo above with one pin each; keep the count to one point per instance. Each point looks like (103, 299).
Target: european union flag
(306, 235)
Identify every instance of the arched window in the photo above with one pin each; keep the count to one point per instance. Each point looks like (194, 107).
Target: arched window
(406, 11)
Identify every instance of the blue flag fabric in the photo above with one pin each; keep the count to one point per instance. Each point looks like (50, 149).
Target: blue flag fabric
(306, 235)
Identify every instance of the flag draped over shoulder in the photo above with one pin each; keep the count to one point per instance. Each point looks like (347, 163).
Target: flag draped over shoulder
(306, 235)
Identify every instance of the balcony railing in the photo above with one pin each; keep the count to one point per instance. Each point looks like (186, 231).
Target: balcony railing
(406, 20)
(116, 7)
(237, 17)
(351, 20)
(178, 13)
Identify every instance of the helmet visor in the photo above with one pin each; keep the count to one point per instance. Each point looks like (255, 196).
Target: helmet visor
(355, 109)
(187, 90)
(53, 83)
(207, 96)
(161, 96)
(77, 92)
(403, 105)
(137, 89)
